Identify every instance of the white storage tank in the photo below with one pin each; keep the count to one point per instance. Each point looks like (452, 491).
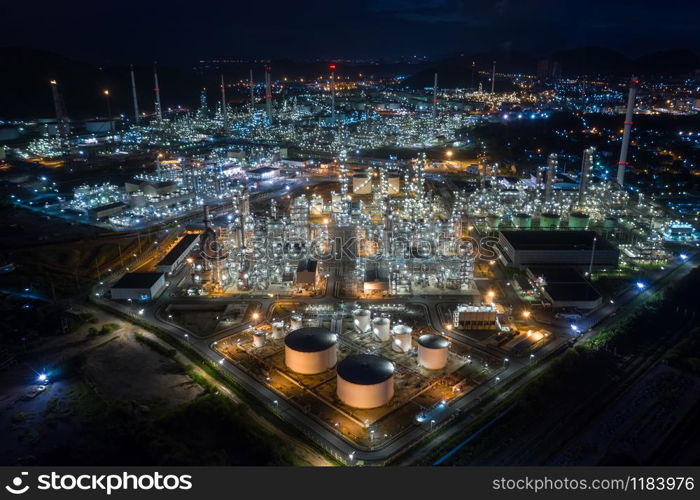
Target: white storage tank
(365, 381)
(295, 322)
(361, 319)
(381, 327)
(310, 350)
(432, 351)
(401, 341)
(278, 330)
(258, 338)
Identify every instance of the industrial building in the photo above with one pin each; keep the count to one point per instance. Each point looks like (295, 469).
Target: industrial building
(177, 255)
(264, 173)
(138, 286)
(365, 381)
(108, 210)
(564, 287)
(473, 317)
(310, 350)
(581, 249)
(307, 273)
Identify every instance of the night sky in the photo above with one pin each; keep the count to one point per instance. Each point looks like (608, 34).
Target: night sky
(182, 32)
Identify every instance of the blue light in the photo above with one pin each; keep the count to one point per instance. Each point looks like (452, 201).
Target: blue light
(43, 378)
(641, 285)
(683, 256)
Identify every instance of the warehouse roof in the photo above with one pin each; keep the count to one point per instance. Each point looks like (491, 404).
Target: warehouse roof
(138, 280)
(307, 265)
(555, 240)
(310, 339)
(365, 369)
(556, 274)
(568, 292)
(177, 251)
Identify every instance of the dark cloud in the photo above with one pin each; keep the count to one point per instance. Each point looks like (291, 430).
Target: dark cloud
(184, 31)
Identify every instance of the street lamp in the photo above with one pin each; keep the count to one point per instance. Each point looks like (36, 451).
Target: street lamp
(526, 314)
(109, 110)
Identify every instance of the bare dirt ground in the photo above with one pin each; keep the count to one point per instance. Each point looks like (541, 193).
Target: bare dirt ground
(129, 370)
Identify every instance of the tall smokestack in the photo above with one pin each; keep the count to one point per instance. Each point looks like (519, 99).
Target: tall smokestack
(133, 94)
(435, 100)
(159, 109)
(224, 111)
(332, 68)
(493, 77)
(586, 166)
(62, 127)
(622, 164)
(552, 163)
(473, 68)
(252, 93)
(268, 94)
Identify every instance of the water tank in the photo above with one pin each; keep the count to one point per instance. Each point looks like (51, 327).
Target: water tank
(381, 327)
(258, 338)
(365, 381)
(361, 319)
(295, 322)
(278, 330)
(310, 350)
(578, 220)
(432, 351)
(522, 220)
(401, 338)
(610, 223)
(550, 220)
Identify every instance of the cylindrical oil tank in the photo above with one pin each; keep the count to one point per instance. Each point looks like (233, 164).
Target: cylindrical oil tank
(310, 350)
(432, 351)
(295, 322)
(361, 319)
(493, 221)
(550, 220)
(578, 220)
(381, 327)
(522, 220)
(610, 223)
(365, 381)
(401, 341)
(278, 330)
(258, 338)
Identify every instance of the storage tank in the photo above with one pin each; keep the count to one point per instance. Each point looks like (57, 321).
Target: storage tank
(401, 341)
(382, 328)
(522, 220)
(365, 381)
(550, 220)
(432, 351)
(493, 221)
(295, 322)
(610, 223)
(578, 220)
(278, 330)
(258, 338)
(361, 319)
(310, 350)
